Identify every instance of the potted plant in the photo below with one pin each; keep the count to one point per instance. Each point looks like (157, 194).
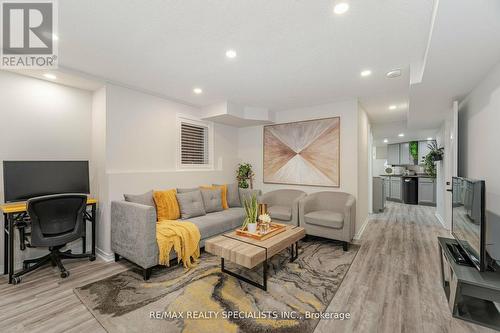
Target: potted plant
(435, 154)
(414, 151)
(251, 210)
(244, 174)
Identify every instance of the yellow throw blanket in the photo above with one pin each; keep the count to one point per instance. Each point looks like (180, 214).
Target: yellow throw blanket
(183, 236)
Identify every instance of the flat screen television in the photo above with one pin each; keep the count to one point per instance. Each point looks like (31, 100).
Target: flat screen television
(468, 220)
(28, 179)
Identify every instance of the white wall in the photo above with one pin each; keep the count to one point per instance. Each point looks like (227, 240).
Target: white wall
(40, 120)
(98, 177)
(250, 146)
(479, 135)
(363, 201)
(141, 149)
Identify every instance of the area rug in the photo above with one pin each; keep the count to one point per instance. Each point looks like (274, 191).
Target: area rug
(203, 299)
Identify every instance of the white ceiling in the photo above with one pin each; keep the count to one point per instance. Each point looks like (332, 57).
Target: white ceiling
(464, 46)
(290, 53)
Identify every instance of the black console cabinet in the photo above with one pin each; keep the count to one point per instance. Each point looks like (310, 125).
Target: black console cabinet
(470, 293)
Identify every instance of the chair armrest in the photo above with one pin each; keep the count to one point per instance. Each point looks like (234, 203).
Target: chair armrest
(349, 218)
(296, 209)
(133, 232)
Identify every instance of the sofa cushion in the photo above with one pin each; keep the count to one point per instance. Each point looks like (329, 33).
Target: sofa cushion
(191, 204)
(167, 207)
(143, 199)
(223, 189)
(212, 199)
(186, 190)
(325, 218)
(233, 195)
(246, 194)
(282, 213)
(216, 223)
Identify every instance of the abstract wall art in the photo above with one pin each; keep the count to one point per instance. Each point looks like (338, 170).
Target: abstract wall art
(303, 153)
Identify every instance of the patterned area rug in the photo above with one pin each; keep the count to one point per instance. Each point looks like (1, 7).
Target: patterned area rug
(204, 299)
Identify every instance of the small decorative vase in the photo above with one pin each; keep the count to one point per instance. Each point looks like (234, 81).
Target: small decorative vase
(252, 227)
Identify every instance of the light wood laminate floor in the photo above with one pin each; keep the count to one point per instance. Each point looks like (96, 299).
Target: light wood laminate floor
(393, 285)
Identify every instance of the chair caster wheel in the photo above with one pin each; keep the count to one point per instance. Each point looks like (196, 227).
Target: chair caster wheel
(16, 280)
(64, 274)
(92, 257)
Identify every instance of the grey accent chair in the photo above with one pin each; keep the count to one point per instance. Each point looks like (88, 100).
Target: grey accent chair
(283, 205)
(330, 215)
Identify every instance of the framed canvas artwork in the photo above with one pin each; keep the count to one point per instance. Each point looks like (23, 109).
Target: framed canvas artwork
(303, 153)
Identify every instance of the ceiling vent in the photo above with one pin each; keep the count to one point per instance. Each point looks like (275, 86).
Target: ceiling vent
(394, 73)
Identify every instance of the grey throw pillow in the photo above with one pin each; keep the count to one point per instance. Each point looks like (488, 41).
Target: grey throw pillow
(190, 204)
(212, 200)
(143, 199)
(233, 195)
(186, 190)
(246, 194)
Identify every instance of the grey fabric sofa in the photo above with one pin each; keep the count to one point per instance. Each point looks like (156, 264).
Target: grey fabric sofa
(133, 230)
(330, 215)
(283, 205)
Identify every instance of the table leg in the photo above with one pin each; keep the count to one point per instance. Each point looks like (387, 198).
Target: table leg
(84, 237)
(262, 286)
(11, 246)
(5, 245)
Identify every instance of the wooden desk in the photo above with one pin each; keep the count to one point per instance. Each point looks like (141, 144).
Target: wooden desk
(15, 216)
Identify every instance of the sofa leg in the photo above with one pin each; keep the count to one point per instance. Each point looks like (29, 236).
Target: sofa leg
(117, 257)
(146, 273)
(345, 246)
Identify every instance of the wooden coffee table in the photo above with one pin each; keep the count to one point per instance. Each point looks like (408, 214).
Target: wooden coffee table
(248, 252)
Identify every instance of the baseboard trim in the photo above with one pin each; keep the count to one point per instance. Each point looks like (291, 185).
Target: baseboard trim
(105, 256)
(359, 234)
(440, 219)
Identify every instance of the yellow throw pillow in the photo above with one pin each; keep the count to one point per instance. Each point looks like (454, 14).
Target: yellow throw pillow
(224, 193)
(167, 207)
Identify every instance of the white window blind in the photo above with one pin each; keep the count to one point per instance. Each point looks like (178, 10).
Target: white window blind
(194, 144)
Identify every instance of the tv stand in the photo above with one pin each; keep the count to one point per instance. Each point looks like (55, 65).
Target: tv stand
(458, 254)
(470, 293)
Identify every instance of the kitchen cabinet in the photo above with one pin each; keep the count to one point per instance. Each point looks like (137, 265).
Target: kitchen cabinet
(404, 154)
(393, 157)
(426, 191)
(387, 187)
(423, 150)
(395, 189)
(379, 195)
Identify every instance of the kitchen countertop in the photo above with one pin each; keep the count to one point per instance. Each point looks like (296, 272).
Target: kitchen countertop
(412, 176)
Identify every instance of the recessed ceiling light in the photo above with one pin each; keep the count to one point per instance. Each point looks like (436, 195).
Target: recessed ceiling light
(50, 76)
(429, 138)
(392, 107)
(231, 54)
(385, 140)
(341, 8)
(366, 72)
(401, 135)
(197, 91)
(394, 73)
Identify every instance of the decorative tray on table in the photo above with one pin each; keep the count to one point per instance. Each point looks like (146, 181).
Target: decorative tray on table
(274, 229)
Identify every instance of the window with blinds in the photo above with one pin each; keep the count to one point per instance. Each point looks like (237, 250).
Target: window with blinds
(194, 144)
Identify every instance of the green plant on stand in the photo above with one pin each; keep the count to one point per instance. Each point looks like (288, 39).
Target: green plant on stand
(435, 154)
(251, 210)
(414, 150)
(244, 175)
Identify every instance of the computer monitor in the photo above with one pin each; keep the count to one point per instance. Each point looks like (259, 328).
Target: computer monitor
(27, 179)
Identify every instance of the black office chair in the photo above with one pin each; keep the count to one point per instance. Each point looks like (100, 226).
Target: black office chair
(55, 221)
